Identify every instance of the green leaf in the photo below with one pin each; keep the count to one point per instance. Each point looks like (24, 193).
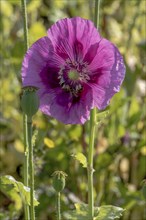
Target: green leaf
(109, 212)
(8, 183)
(81, 158)
(81, 212)
(81, 207)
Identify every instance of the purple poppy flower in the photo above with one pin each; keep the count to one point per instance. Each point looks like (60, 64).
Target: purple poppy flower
(75, 70)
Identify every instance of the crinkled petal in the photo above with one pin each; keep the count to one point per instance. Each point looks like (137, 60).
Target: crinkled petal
(61, 105)
(98, 95)
(90, 55)
(104, 57)
(39, 55)
(73, 36)
(49, 76)
(107, 75)
(82, 108)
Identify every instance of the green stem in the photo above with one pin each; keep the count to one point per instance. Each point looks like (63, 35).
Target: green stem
(31, 168)
(26, 155)
(23, 3)
(97, 14)
(92, 136)
(25, 151)
(58, 206)
(90, 163)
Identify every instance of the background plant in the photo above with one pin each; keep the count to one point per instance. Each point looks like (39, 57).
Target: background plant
(121, 146)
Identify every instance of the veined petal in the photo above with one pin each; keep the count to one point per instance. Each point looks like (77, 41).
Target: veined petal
(108, 80)
(69, 34)
(90, 55)
(98, 95)
(104, 57)
(60, 105)
(40, 54)
(81, 109)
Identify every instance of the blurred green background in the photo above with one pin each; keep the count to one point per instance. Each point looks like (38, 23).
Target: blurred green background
(120, 150)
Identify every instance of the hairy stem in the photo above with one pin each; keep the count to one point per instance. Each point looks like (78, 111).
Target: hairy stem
(23, 3)
(26, 152)
(58, 206)
(97, 14)
(31, 168)
(92, 136)
(90, 163)
(26, 156)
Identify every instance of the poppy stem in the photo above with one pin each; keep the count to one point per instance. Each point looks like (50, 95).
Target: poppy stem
(97, 14)
(58, 206)
(25, 27)
(31, 168)
(90, 163)
(92, 135)
(26, 156)
(26, 152)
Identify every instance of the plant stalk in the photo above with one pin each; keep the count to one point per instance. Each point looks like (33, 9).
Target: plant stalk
(31, 168)
(92, 136)
(26, 156)
(90, 163)
(97, 13)
(58, 206)
(26, 152)
(25, 27)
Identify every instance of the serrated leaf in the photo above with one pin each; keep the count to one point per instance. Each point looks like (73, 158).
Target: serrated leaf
(12, 194)
(81, 212)
(8, 183)
(81, 158)
(81, 207)
(109, 212)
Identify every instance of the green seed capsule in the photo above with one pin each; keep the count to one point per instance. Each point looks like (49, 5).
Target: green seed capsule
(29, 101)
(59, 180)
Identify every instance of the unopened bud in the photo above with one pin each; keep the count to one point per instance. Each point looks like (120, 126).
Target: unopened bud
(30, 101)
(59, 180)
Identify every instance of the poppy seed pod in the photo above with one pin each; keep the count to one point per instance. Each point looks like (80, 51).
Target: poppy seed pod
(30, 101)
(59, 180)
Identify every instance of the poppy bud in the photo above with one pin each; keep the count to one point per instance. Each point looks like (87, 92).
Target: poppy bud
(59, 180)
(30, 101)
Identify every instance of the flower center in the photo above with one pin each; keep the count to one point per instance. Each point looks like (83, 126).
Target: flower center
(72, 76)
